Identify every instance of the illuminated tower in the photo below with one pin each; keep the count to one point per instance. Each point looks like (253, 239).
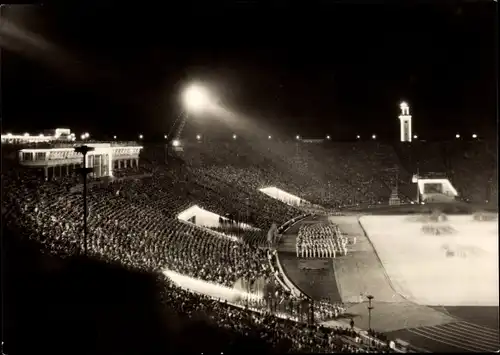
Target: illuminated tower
(405, 122)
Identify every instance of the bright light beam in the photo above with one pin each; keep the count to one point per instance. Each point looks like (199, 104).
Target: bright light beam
(196, 99)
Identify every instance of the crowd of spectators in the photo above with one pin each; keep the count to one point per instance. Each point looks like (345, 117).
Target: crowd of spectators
(240, 231)
(133, 222)
(471, 166)
(473, 170)
(342, 175)
(336, 176)
(283, 335)
(133, 219)
(320, 240)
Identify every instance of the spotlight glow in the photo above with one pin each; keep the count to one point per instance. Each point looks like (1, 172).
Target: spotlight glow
(196, 98)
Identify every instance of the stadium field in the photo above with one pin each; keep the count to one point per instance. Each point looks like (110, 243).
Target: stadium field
(397, 313)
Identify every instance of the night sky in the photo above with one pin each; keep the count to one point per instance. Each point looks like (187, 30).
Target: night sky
(337, 69)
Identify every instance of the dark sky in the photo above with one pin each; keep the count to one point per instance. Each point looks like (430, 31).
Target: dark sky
(338, 69)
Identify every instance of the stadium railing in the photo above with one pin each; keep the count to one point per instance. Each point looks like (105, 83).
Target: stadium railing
(282, 229)
(279, 279)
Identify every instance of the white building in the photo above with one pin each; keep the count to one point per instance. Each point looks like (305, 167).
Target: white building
(56, 135)
(57, 162)
(54, 153)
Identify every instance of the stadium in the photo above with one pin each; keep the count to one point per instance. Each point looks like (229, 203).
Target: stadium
(345, 255)
(224, 181)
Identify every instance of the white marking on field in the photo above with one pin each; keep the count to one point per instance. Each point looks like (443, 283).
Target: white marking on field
(418, 265)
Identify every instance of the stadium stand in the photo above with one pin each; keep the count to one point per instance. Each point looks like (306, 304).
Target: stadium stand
(133, 219)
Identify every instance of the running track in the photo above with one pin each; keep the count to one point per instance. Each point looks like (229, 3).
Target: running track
(460, 336)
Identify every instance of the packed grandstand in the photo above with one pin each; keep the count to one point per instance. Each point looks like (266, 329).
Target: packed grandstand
(133, 220)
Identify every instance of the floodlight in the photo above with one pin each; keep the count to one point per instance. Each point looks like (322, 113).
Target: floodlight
(196, 98)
